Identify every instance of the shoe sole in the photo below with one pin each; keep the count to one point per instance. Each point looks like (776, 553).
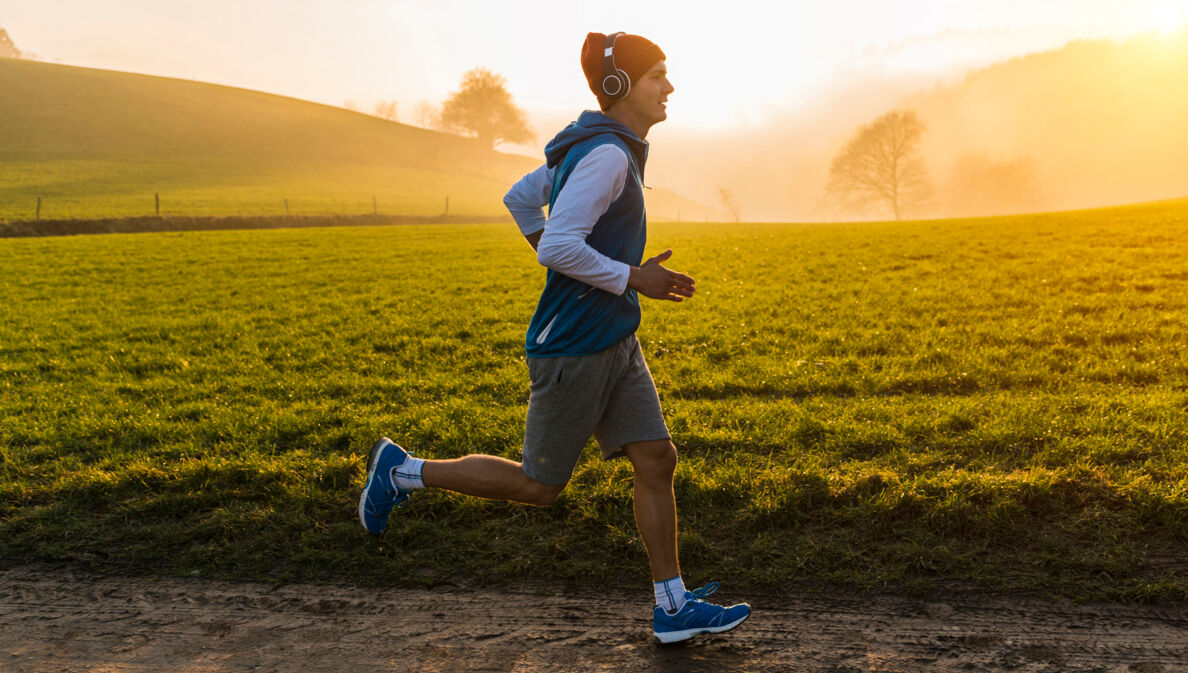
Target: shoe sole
(678, 636)
(372, 459)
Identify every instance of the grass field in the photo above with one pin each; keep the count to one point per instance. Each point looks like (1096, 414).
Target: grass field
(996, 404)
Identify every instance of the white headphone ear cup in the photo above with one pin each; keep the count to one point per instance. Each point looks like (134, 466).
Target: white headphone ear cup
(626, 83)
(612, 85)
(620, 85)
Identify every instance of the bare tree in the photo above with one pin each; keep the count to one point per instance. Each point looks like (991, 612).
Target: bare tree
(726, 196)
(881, 166)
(385, 110)
(7, 48)
(483, 108)
(979, 185)
(427, 116)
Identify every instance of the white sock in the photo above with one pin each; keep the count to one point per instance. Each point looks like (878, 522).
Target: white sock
(670, 594)
(407, 477)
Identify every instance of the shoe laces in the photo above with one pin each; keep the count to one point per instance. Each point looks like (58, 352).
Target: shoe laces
(705, 591)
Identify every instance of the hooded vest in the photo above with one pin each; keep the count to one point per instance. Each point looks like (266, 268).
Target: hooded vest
(573, 318)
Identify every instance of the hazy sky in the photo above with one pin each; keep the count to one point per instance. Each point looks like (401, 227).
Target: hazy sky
(733, 63)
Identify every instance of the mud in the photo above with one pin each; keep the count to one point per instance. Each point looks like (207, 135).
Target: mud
(56, 620)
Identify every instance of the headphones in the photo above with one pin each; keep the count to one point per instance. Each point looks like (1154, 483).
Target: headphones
(615, 83)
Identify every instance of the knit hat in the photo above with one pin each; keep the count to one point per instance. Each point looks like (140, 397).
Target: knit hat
(633, 55)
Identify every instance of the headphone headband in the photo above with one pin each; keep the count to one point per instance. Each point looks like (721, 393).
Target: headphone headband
(615, 82)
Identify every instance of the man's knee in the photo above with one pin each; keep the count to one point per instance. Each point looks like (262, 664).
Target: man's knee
(540, 494)
(654, 460)
(666, 461)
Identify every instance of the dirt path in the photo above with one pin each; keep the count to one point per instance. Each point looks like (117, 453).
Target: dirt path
(64, 621)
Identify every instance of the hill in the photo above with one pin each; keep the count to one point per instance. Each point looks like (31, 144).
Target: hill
(97, 143)
(1102, 123)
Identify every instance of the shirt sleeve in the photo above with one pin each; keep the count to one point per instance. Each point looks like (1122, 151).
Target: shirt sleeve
(526, 199)
(596, 181)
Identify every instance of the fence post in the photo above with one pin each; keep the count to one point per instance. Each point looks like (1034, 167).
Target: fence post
(447, 210)
(157, 204)
(374, 207)
(38, 208)
(286, 206)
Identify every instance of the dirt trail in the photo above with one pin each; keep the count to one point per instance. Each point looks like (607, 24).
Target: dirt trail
(66, 621)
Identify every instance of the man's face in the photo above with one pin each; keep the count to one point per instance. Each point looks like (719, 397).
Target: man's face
(645, 101)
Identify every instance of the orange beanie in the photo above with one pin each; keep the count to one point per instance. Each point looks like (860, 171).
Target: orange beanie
(633, 55)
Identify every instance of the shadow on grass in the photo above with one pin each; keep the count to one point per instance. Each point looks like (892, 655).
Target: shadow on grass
(294, 518)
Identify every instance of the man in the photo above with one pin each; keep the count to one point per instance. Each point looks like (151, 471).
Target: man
(588, 375)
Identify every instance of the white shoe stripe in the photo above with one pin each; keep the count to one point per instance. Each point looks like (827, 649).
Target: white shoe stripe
(677, 636)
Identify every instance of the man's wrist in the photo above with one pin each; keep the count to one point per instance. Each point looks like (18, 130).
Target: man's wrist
(633, 277)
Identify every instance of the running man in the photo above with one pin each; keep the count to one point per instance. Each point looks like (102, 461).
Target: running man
(588, 375)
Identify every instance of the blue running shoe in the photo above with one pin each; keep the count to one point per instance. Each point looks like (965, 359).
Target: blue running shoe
(380, 494)
(697, 617)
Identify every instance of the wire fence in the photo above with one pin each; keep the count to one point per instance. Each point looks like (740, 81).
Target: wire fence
(152, 219)
(153, 207)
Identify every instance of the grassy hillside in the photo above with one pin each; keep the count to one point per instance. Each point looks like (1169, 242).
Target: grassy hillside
(995, 403)
(1102, 121)
(96, 143)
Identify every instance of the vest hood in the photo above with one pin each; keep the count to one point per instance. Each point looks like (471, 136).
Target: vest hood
(588, 125)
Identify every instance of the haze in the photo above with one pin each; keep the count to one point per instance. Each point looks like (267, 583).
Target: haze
(770, 89)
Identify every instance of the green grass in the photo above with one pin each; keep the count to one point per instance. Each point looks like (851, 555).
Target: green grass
(994, 404)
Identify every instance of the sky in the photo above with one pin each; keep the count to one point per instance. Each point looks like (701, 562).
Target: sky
(734, 64)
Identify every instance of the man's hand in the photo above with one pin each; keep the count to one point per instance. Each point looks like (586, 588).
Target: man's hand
(652, 280)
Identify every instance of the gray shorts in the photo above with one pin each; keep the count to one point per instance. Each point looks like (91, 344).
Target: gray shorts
(609, 394)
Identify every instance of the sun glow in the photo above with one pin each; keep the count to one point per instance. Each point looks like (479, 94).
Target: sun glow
(1166, 17)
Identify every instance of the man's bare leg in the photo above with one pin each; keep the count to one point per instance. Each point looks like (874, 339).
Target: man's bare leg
(488, 477)
(655, 504)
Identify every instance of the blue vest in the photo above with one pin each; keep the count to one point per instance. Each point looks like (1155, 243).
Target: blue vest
(573, 318)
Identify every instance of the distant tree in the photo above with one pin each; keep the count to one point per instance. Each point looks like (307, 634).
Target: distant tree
(726, 196)
(881, 166)
(7, 48)
(350, 105)
(385, 110)
(979, 185)
(427, 116)
(484, 108)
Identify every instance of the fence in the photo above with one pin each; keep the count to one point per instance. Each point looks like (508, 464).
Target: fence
(153, 209)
